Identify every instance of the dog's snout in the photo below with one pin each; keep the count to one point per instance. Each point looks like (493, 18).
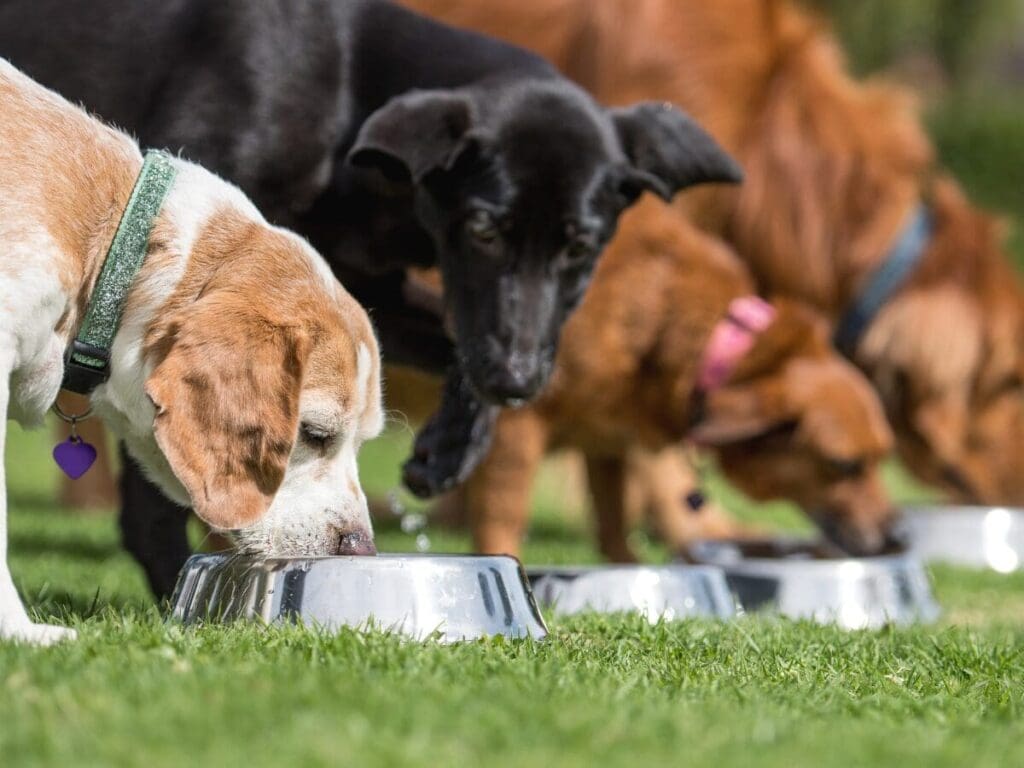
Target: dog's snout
(511, 386)
(356, 543)
(861, 539)
(513, 377)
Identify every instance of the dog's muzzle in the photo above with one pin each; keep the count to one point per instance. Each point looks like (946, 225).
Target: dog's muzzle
(357, 543)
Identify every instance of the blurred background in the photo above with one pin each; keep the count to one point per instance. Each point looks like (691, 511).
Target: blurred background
(966, 59)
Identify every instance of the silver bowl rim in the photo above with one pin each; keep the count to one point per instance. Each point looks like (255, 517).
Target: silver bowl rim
(583, 570)
(919, 511)
(231, 555)
(884, 562)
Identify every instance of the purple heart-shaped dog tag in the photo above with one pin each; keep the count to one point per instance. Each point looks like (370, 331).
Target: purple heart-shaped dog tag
(74, 456)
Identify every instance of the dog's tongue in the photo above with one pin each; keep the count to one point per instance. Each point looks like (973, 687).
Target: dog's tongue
(74, 456)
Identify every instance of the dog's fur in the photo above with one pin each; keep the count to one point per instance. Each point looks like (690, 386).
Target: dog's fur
(390, 140)
(243, 376)
(794, 420)
(833, 167)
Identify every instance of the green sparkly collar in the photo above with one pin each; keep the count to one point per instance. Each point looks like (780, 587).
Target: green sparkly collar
(87, 362)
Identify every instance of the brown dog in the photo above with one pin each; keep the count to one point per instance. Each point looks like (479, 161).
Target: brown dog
(791, 419)
(833, 170)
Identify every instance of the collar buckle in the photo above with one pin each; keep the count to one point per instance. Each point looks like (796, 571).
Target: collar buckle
(85, 367)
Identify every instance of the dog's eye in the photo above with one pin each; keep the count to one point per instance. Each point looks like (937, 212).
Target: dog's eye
(578, 251)
(316, 437)
(847, 467)
(1011, 384)
(482, 227)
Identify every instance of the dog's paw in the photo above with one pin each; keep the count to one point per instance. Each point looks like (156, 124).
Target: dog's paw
(36, 634)
(446, 453)
(439, 463)
(454, 441)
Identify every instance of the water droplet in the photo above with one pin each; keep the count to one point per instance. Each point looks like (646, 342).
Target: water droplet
(423, 543)
(413, 522)
(395, 505)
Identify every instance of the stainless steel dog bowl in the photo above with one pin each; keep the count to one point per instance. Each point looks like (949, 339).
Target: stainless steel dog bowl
(657, 592)
(799, 580)
(450, 598)
(980, 537)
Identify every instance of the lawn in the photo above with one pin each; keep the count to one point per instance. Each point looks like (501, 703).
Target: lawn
(600, 690)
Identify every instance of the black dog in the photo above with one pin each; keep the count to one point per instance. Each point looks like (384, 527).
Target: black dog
(390, 141)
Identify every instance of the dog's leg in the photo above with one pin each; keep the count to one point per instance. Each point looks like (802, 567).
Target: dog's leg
(453, 442)
(498, 493)
(607, 478)
(14, 621)
(669, 482)
(153, 529)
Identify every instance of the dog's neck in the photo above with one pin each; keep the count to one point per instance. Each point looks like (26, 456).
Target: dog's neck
(106, 207)
(731, 339)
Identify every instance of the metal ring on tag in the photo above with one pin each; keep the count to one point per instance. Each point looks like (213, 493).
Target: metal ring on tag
(71, 419)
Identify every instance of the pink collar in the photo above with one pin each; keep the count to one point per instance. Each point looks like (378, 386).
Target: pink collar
(732, 338)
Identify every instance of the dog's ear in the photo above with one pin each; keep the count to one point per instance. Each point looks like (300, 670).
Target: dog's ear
(414, 134)
(226, 393)
(669, 151)
(741, 412)
(761, 393)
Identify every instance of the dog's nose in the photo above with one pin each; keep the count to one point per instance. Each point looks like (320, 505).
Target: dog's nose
(510, 390)
(356, 543)
(513, 384)
(863, 540)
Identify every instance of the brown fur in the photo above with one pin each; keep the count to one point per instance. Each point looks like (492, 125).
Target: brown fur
(37, 128)
(230, 361)
(833, 167)
(625, 380)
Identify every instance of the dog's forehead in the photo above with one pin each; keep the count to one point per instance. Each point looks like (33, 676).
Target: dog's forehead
(556, 132)
(331, 368)
(342, 375)
(845, 417)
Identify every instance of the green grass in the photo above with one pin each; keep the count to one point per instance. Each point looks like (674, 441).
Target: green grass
(600, 691)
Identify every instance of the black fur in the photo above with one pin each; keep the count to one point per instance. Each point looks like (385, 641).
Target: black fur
(390, 141)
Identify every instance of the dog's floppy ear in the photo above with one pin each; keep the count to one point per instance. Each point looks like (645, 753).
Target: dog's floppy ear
(414, 134)
(759, 395)
(669, 151)
(226, 393)
(741, 412)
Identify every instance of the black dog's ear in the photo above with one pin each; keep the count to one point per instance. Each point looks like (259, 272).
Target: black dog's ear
(414, 134)
(669, 151)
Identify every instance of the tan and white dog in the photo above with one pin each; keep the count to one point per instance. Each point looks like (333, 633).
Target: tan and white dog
(243, 377)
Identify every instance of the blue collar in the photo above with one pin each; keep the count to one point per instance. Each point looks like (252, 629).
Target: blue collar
(894, 271)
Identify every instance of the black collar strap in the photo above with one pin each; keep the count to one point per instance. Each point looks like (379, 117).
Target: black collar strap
(87, 362)
(893, 273)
